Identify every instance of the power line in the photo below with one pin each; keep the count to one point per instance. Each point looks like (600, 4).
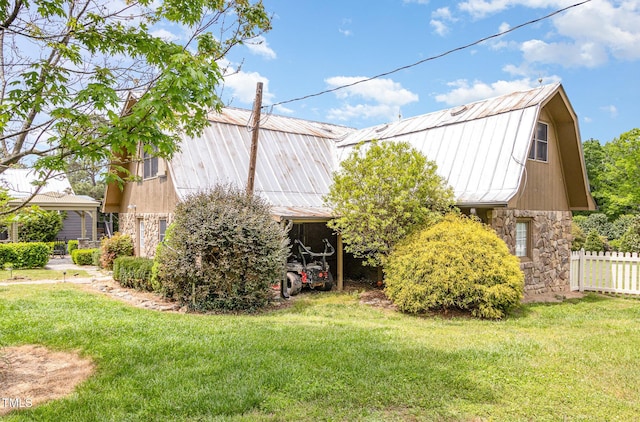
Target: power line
(446, 53)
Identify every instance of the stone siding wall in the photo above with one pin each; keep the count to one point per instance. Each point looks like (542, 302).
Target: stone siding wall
(548, 268)
(129, 224)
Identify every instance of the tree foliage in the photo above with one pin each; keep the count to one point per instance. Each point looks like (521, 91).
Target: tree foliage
(87, 177)
(614, 173)
(67, 66)
(37, 225)
(222, 251)
(381, 193)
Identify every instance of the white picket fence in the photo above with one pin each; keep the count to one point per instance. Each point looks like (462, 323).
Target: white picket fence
(612, 272)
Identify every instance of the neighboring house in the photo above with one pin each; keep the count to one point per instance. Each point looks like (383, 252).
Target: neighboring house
(56, 195)
(515, 161)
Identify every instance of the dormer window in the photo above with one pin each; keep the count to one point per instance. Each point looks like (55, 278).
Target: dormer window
(150, 165)
(540, 142)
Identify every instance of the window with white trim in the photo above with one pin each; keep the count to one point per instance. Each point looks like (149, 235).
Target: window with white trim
(523, 237)
(162, 229)
(540, 143)
(141, 236)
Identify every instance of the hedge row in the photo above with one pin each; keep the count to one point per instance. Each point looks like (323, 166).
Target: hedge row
(134, 272)
(85, 256)
(25, 255)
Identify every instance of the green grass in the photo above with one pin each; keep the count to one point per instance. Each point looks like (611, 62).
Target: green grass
(329, 358)
(41, 274)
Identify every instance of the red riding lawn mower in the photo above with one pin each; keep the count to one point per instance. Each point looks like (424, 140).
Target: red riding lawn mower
(308, 269)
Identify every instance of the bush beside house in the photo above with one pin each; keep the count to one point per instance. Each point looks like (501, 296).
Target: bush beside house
(223, 251)
(133, 272)
(113, 247)
(459, 263)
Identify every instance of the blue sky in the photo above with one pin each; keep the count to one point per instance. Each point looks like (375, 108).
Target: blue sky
(593, 49)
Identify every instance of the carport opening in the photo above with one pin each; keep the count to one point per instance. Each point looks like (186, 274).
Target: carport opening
(311, 235)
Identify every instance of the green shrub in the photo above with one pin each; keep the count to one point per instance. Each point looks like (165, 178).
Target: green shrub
(72, 245)
(578, 237)
(38, 225)
(133, 272)
(83, 256)
(621, 224)
(630, 240)
(459, 263)
(598, 222)
(594, 242)
(113, 247)
(95, 258)
(222, 251)
(25, 255)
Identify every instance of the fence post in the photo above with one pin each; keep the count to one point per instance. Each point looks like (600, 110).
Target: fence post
(581, 270)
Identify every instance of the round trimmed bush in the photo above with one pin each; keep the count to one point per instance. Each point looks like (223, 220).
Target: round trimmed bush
(222, 251)
(630, 240)
(459, 263)
(594, 242)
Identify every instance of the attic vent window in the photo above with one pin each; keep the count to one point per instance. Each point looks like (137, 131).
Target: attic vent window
(380, 129)
(540, 143)
(458, 110)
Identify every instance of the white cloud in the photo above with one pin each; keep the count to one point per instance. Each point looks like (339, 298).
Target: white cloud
(442, 13)
(589, 34)
(439, 27)
(376, 98)
(610, 28)
(165, 35)
(463, 92)
(586, 54)
(243, 87)
(260, 46)
(439, 19)
(343, 28)
(611, 110)
(362, 111)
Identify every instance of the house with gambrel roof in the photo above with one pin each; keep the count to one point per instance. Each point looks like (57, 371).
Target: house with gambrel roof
(515, 161)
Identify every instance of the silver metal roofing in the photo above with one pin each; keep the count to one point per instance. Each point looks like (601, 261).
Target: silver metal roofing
(294, 166)
(20, 183)
(56, 194)
(480, 148)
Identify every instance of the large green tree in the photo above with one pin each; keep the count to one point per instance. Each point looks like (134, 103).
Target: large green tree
(614, 173)
(621, 187)
(382, 192)
(68, 66)
(87, 177)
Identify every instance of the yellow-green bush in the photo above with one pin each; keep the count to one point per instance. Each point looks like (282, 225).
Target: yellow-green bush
(458, 263)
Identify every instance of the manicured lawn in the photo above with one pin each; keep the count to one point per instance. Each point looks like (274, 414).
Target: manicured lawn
(40, 274)
(329, 358)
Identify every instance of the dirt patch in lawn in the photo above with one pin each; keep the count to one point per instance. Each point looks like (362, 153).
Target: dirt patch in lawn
(32, 375)
(377, 298)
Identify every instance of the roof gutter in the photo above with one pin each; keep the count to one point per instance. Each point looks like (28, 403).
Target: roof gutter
(482, 204)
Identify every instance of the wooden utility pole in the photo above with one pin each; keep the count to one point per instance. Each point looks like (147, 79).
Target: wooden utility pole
(257, 105)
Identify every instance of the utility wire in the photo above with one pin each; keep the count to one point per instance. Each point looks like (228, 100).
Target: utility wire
(446, 53)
